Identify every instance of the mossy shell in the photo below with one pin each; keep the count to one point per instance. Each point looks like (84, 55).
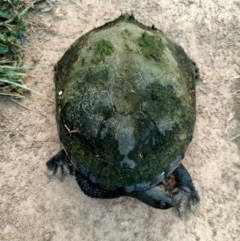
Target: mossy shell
(125, 97)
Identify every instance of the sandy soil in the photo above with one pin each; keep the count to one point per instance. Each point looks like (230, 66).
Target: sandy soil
(34, 206)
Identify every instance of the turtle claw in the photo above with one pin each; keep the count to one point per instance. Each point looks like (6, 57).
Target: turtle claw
(62, 169)
(59, 165)
(184, 199)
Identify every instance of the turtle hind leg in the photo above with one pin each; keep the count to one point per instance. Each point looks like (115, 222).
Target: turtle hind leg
(184, 194)
(60, 165)
(94, 190)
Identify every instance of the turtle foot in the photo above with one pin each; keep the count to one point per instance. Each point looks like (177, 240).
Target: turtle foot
(184, 194)
(184, 199)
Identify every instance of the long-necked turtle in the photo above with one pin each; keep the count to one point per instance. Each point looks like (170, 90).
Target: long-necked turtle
(125, 109)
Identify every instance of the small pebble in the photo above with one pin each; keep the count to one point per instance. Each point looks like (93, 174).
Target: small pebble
(11, 134)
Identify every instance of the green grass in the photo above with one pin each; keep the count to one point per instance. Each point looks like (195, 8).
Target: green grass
(13, 28)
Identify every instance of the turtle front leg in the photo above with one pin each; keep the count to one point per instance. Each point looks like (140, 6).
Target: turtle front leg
(60, 165)
(184, 193)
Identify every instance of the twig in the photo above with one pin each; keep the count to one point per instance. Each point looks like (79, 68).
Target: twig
(19, 103)
(70, 131)
(70, 158)
(235, 137)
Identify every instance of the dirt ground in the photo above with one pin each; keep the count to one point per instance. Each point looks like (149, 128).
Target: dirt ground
(34, 206)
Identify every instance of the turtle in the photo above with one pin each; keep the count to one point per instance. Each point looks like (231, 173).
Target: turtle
(125, 113)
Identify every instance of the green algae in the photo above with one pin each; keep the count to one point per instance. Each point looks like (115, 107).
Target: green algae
(151, 46)
(102, 50)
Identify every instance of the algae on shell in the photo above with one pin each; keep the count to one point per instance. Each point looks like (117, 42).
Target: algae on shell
(128, 92)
